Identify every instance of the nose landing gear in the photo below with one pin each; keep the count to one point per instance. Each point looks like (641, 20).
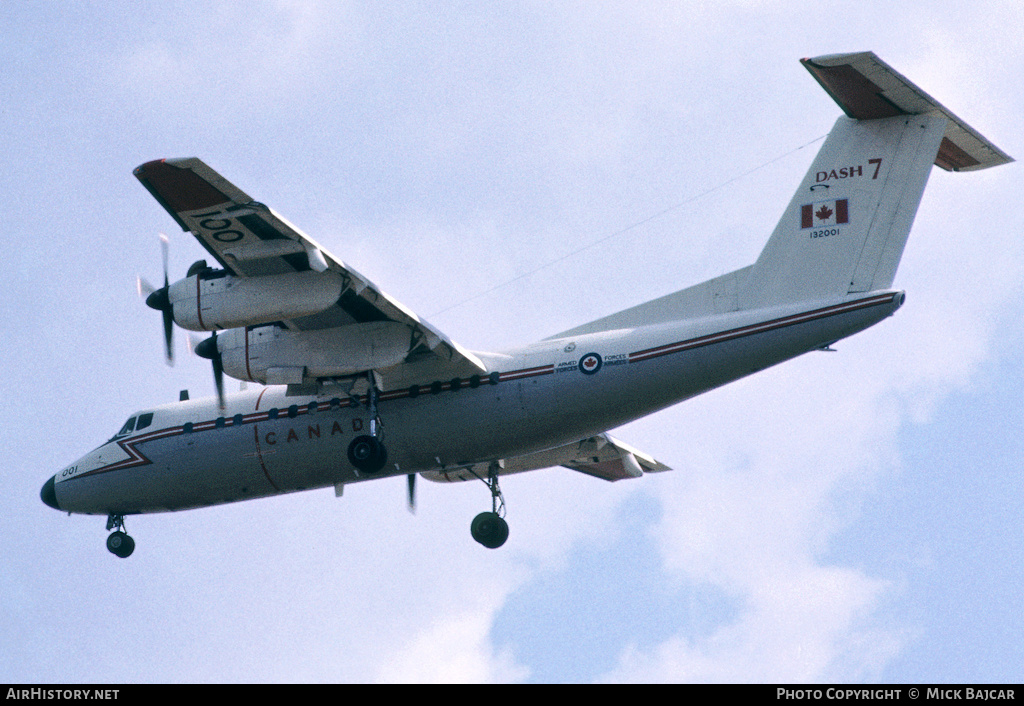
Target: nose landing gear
(490, 528)
(119, 543)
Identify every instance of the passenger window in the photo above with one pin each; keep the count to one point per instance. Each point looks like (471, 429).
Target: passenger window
(144, 421)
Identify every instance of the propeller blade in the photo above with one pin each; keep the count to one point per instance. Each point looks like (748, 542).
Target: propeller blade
(218, 380)
(159, 299)
(191, 343)
(143, 287)
(165, 247)
(208, 349)
(169, 335)
(412, 492)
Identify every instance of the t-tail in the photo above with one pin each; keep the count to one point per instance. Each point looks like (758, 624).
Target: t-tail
(844, 230)
(846, 226)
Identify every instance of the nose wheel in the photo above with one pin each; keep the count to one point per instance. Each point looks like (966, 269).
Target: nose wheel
(490, 528)
(118, 542)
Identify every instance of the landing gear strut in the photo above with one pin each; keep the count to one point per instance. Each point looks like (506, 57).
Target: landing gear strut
(490, 528)
(119, 543)
(367, 452)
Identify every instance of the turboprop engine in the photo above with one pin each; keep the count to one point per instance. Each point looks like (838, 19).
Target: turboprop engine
(215, 300)
(276, 356)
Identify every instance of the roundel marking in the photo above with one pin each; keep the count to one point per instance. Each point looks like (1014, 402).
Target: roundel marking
(590, 363)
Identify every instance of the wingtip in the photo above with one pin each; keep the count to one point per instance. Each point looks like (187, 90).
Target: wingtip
(177, 187)
(141, 170)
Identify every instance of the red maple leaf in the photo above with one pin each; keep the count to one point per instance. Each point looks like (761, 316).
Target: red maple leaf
(824, 213)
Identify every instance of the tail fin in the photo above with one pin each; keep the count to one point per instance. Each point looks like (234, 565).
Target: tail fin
(845, 229)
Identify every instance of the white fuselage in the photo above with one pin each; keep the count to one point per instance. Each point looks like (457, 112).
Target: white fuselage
(554, 392)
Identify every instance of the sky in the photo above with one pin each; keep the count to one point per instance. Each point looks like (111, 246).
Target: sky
(508, 171)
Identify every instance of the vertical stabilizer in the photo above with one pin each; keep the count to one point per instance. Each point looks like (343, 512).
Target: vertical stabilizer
(845, 228)
(844, 231)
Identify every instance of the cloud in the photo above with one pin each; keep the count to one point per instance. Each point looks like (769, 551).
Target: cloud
(799, 625)
(454, 649)
(781, 462)
(774, 465)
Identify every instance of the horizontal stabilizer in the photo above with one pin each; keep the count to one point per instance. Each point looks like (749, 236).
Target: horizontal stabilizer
(613, 460)
(866, 88)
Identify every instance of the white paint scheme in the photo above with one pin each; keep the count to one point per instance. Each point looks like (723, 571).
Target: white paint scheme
(881, 208)
(451, 414)
(542, 401)
(252, 354)
(224, 302)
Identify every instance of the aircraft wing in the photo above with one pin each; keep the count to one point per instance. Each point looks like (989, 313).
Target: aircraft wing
(248, 239)
(601, 456)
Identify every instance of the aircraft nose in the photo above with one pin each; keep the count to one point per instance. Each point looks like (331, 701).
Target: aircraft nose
(49, 495)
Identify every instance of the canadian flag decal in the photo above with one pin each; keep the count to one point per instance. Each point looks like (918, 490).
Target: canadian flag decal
(825, 213)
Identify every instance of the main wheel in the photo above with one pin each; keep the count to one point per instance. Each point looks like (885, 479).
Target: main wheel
(367, 454)
(489, 529)
(120, 544)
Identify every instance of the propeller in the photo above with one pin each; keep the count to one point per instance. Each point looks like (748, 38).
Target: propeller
(160, 300)
(208, 349)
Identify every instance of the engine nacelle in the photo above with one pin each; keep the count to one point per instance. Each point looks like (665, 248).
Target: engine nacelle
(203, 302)
(277, 356)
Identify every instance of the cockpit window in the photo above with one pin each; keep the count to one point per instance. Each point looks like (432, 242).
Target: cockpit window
(144, 421)
(128, 427)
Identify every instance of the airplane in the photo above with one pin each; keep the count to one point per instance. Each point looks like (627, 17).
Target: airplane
(356, 387)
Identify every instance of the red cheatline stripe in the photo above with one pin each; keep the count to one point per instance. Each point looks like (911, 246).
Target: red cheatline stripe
(528, 372)
(137, 458)
(757, 328)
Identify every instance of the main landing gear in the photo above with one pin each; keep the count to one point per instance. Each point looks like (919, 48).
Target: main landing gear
(367, 452)
(119, 543)
(490, 528)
